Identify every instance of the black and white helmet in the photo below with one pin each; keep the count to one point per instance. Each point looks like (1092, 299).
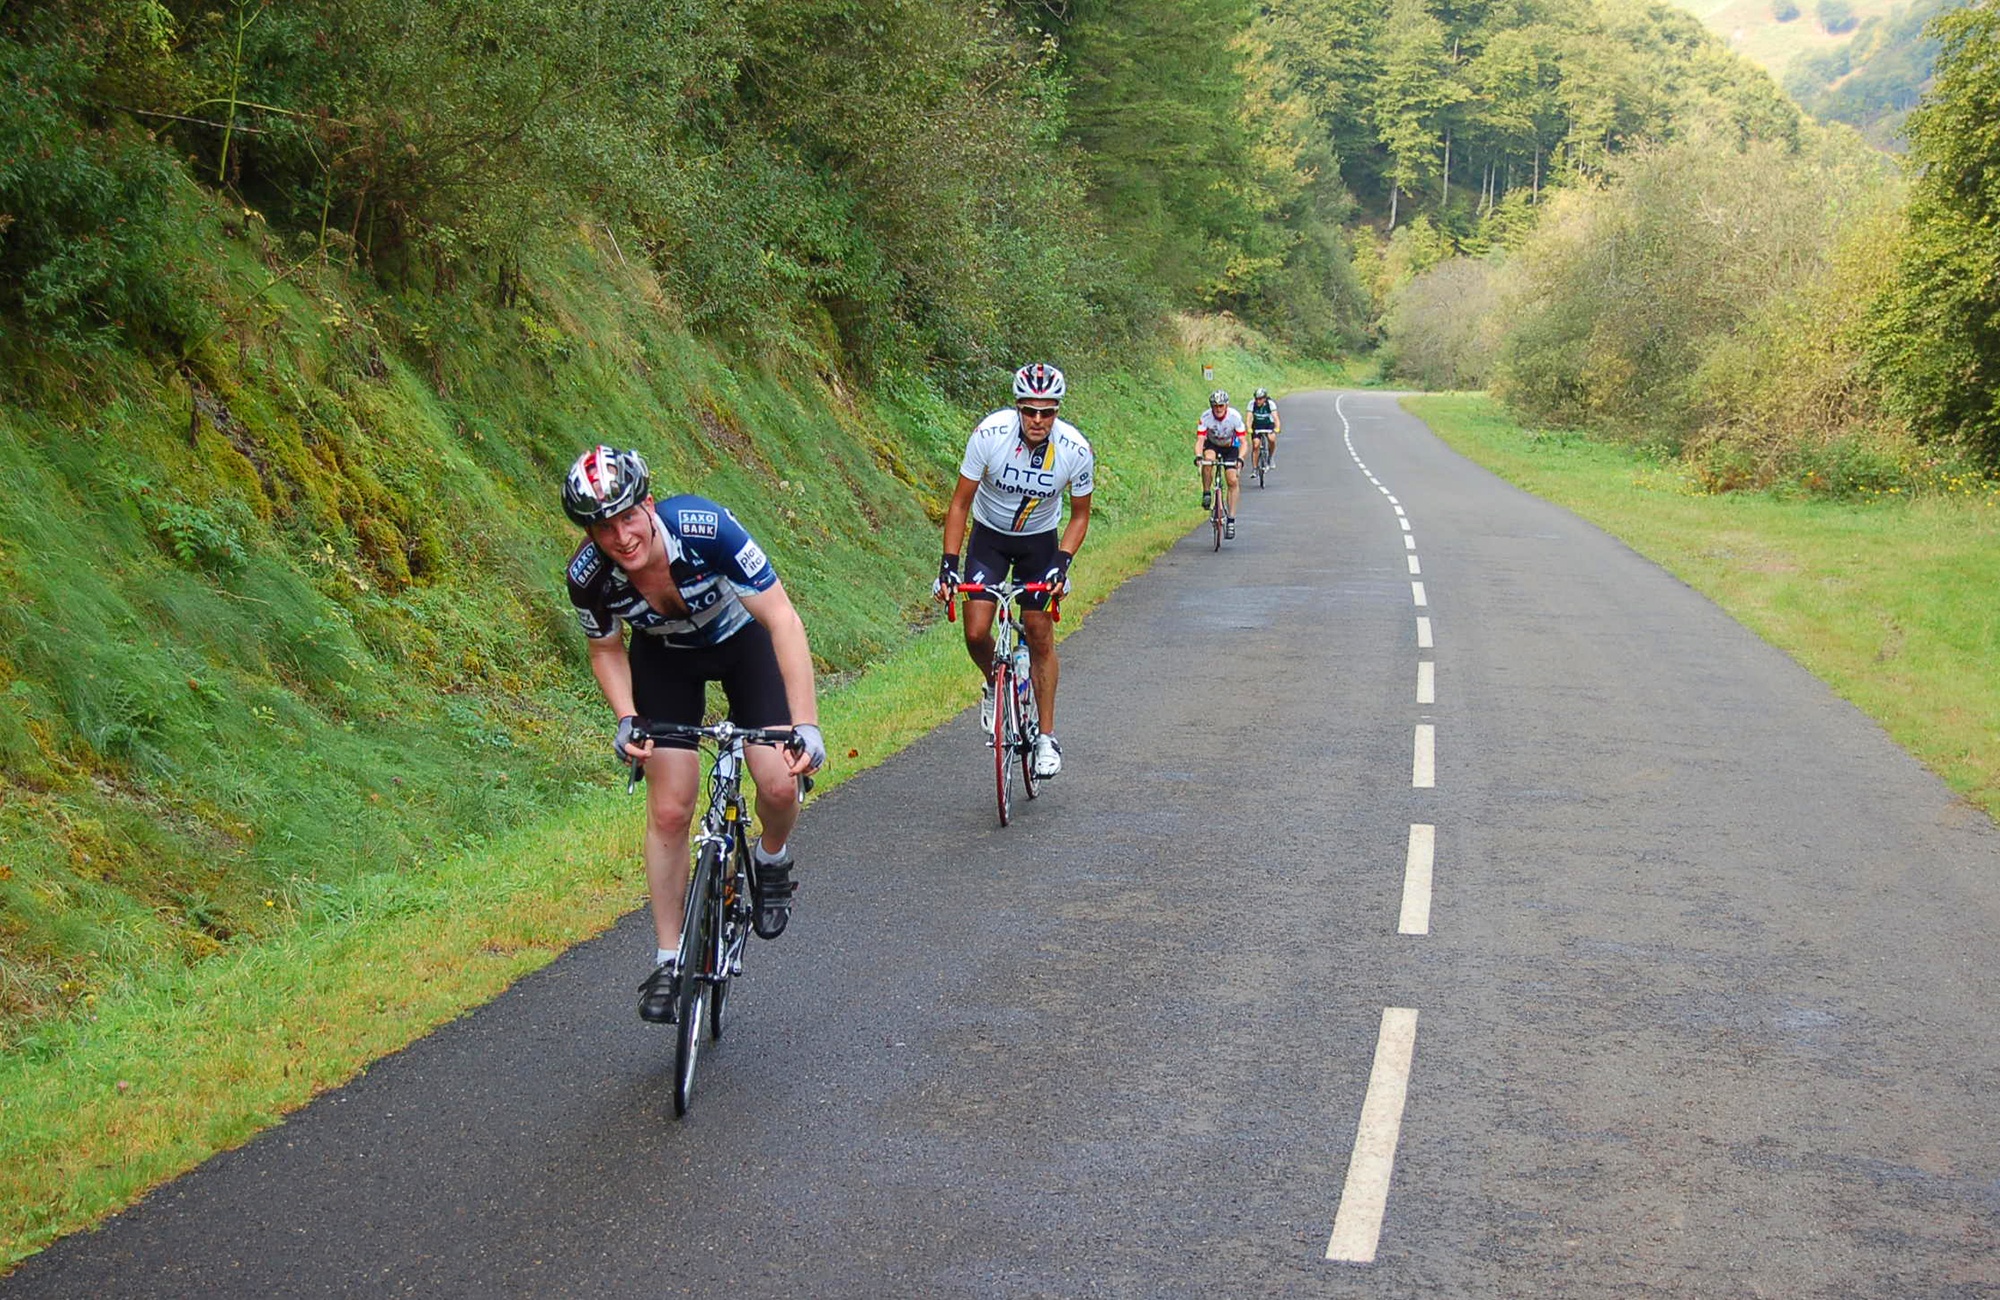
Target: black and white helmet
(1220, 397)
(1039, 379)
(1261, 394)
(603, 483)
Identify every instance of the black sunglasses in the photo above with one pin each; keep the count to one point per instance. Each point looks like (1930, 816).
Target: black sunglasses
(1038, 412)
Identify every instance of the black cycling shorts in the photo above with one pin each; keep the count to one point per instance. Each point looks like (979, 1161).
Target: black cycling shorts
(989, 554)
(669, 684)
(1228, 457)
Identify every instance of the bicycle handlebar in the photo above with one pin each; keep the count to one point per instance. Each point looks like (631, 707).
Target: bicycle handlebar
(722, 733)
(1005, 591)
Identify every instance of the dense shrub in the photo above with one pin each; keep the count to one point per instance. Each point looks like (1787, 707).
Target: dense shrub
(1442, 327)
(1622, 293)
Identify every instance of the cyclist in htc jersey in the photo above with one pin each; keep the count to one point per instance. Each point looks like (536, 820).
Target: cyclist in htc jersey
(1017, 465)
(1218, 440)
(704, 605)
(1264, 423)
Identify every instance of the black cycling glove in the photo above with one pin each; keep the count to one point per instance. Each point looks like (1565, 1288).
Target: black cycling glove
(947, 579)
(1058, 575)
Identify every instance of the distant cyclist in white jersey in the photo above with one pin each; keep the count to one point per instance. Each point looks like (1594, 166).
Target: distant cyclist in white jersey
(1218, 440)
(1017, 465)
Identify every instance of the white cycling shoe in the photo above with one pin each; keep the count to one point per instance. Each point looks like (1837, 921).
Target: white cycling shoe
(1048, 757)
(986, 708)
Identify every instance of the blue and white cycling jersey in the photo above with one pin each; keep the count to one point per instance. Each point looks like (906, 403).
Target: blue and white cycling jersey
(714, 560)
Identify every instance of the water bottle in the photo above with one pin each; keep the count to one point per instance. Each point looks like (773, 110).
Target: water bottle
(1021, 663)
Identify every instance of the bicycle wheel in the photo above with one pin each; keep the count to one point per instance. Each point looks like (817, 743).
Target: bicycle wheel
(1263, 462)
(1216, 516)
(1003, 749)
(697, 965)
(1030, 727)
(735, 918)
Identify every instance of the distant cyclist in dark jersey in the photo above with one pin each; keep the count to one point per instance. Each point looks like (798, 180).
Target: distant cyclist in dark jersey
(704, 605)
(1264, 423)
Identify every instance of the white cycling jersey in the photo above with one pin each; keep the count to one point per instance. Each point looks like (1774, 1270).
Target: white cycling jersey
(1020, 489)
(1223, 432)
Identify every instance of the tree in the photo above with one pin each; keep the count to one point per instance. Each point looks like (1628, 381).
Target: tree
(1937, 350)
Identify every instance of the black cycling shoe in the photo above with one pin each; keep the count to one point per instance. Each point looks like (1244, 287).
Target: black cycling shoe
(1205, 502)
(659, 994)
(771, 888)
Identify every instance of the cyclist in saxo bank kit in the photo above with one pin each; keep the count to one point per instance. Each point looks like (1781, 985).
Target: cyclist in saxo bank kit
(1017, 464)
(1218, 440)
(704, 605)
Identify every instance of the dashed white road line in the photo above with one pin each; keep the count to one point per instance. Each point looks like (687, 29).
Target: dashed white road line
(1414, 566)
(1416, 917)
(1423, 762)
(1357, 1225)
(1423, 634)
(1427, 691)
(1417, 593)
(1409, 542)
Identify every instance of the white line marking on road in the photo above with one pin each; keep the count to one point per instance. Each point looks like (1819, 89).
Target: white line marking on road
(1409, 542)
(1423, 766)
(1405, 523)
(1392, 500)
(1417, 593)
(1423, 634)
(1399, 511)
(1427, 691)
(1357, 1225)
(1416, 917)
(1414, 567)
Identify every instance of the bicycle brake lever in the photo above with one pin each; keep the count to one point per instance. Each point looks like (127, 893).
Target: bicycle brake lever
(632, 781)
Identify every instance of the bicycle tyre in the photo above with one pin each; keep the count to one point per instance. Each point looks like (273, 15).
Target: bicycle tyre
(1263, 462)
(1003, 756)
(698, 958)
(1215, 517)
(718, 1005)
(1030, 726)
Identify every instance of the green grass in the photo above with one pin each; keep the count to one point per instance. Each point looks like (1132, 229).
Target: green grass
(1890, 602)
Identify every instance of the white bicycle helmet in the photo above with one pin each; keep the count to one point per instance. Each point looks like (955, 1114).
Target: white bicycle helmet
(1220, 397)
(1039, 379)
(603, 483)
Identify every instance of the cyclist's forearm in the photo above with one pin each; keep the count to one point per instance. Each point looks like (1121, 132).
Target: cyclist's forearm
(795, 665)
(1079, 524)
(957, 513)
(613, 672)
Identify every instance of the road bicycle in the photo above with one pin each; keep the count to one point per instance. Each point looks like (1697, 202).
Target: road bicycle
(1016, 721)
(720, 903)
(1263, 457)
(1218, 511)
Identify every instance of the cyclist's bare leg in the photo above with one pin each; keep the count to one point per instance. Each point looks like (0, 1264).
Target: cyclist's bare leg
(1207, 472)
(1235, 489)
(777, 796)
(979, 635)
(1040, 630)
(673, 780)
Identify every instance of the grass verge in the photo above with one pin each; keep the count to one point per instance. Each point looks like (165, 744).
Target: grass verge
(146, 1081)
(1890, 602)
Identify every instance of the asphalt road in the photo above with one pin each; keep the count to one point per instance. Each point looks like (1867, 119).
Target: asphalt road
(1703, 1000)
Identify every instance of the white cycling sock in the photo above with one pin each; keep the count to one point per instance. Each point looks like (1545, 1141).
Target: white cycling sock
(664, 955)
(770, 859)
